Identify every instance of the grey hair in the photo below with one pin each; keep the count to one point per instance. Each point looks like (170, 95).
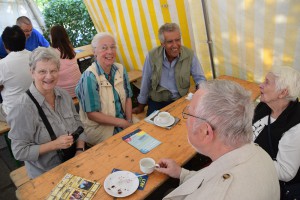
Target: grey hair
(100, 36)
(43, 54)
(23, 20)
(167, 27)
(287, 78)
(228, 107)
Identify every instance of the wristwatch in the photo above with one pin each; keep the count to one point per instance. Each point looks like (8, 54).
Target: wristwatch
(79, 149)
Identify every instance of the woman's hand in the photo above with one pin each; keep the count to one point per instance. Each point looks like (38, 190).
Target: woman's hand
(169, 167)
(124, 124)
(64, 141)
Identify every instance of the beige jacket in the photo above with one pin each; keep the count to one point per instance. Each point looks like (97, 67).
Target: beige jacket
(245, 173)
(96, 132)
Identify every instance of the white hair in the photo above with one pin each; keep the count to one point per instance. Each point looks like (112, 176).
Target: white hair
(44, 54)
(287, 78)
(228, 108)
(100, 36)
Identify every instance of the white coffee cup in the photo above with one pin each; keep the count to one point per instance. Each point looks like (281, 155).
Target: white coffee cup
(147, 165)
(164, 117)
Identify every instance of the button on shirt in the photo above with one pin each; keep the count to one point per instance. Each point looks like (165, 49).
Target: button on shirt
(167, 77)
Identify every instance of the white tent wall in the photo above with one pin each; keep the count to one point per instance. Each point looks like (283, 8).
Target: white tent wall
(249, 37)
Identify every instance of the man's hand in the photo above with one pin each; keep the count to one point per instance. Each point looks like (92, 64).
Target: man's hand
(138, 109)
(169, 167)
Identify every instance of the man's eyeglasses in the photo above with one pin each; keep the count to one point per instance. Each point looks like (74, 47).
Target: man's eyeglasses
(186, 114)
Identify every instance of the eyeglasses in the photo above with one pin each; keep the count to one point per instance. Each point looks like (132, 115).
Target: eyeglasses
(186, 114)
(43, 72)
(105, 48)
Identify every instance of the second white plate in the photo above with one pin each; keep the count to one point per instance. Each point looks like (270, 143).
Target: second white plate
(169, 123)
(121, 183)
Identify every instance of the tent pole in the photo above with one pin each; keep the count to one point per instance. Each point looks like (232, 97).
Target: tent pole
(209, 40)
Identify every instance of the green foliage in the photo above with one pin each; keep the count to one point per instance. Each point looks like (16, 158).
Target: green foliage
(73, 15)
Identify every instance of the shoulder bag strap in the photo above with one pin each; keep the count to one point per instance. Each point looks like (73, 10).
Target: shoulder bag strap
(43, 116)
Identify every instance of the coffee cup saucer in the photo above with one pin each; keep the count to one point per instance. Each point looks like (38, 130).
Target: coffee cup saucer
(158, 122)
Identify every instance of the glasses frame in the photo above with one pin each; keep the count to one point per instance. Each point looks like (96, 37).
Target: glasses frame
(185, 114)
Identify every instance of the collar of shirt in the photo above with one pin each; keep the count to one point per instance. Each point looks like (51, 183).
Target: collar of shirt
(39, 97)
(100, 71)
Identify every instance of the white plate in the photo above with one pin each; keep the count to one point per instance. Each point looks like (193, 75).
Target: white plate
(121, 183)
(159, 123)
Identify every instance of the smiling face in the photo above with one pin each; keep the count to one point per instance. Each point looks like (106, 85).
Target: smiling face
(172, 44)
(105, 51)
(268, 89)
(27, 29)
(45, 76)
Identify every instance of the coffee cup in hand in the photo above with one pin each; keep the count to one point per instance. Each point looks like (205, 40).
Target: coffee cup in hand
(147, 165)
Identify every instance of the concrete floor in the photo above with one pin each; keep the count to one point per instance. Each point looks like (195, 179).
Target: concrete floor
(7, 164)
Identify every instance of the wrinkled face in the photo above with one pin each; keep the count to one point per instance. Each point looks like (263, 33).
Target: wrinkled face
(106, 51)
(172, 44)
(268, 89)
(27, 29)
(45, 76)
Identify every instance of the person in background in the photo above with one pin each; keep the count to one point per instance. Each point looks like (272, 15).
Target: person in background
(33, 38)
(276, 126)
(15, 76)
(69, 73)
(167, 70)
(30, 139)
(104, 92)
(219, 126)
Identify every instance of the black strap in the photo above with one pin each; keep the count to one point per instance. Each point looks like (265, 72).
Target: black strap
(270, 139)
(43, 116)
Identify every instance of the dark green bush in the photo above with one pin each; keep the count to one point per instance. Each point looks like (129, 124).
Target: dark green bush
(73, 15)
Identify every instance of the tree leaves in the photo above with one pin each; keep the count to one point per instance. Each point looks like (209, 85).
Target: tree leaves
(73, 15)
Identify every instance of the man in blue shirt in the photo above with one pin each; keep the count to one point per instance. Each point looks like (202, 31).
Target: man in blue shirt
(33, 38)
(167, 70)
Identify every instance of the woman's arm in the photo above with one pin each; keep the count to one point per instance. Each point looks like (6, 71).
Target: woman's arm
(104, 119)
(128, 109)
(288, 156)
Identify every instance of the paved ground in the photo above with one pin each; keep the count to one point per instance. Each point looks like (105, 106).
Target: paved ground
(7, 164)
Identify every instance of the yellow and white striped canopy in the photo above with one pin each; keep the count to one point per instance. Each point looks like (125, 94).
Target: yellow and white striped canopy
(248, 36)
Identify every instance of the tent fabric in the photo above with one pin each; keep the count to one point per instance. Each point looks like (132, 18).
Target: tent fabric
(249, 37)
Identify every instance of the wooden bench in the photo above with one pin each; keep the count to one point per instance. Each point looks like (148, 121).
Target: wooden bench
(19, 176)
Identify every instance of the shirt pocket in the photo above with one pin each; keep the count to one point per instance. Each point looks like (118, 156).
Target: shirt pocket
(69, 121)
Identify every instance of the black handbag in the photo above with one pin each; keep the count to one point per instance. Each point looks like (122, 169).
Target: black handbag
(63, 154)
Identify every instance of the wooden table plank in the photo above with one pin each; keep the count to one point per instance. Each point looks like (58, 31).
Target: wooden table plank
(84, 51)
(98, 162)
(133, 75)
(4, 128)
(253, 87)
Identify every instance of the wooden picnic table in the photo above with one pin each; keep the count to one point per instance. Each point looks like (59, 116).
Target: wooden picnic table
(98, 162)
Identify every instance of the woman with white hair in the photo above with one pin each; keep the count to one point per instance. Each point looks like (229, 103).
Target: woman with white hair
(276, 126)
(31, 140)
(104, 92)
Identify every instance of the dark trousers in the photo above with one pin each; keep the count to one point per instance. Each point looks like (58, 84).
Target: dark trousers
(154, 105)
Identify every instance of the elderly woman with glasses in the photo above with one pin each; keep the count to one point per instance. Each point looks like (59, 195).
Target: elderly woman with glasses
(30, 140)
(104, 92)
(276, 126)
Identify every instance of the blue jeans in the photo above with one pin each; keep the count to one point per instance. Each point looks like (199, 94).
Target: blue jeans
(154, 105)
